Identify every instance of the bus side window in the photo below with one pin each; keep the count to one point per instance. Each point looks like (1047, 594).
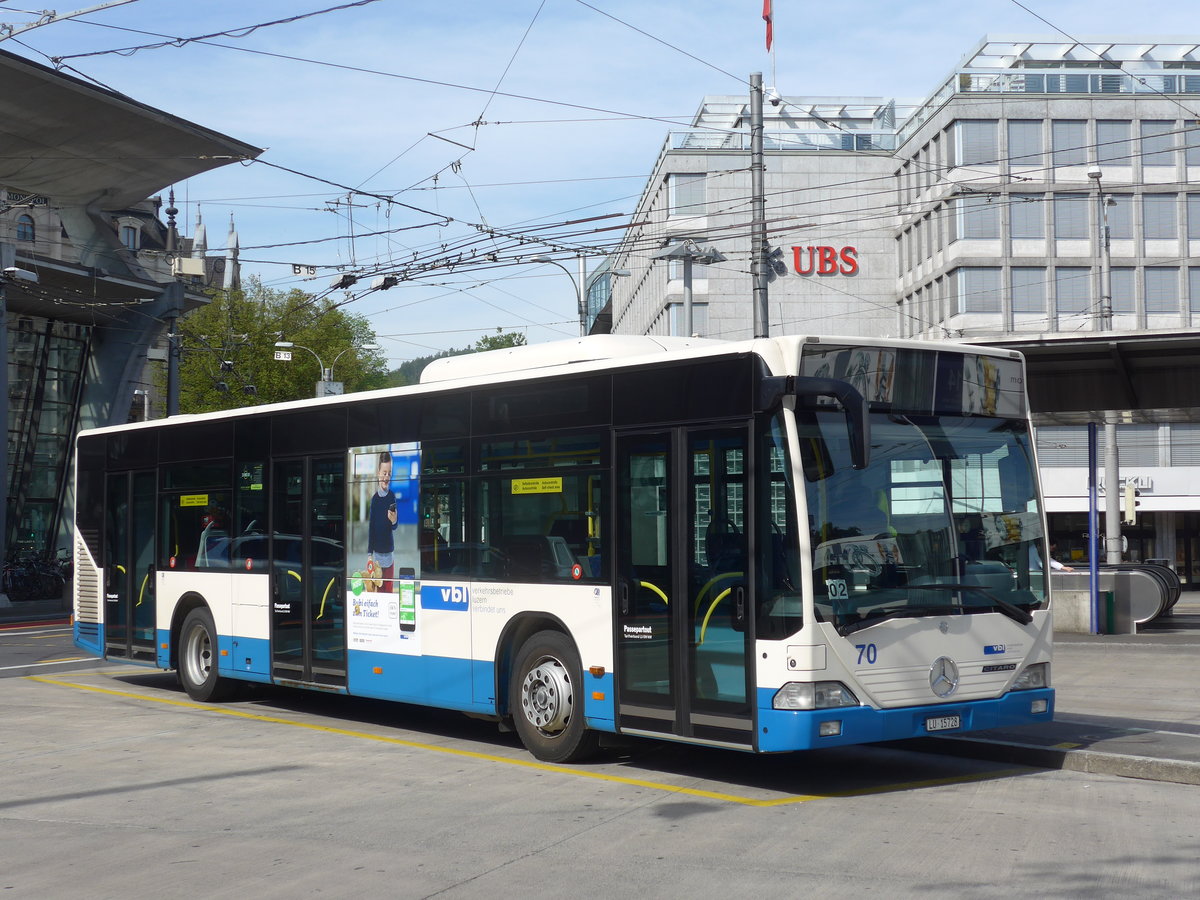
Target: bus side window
(442, 538)
(541, 529)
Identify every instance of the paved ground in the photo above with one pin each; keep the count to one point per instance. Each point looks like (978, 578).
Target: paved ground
(1127, 705)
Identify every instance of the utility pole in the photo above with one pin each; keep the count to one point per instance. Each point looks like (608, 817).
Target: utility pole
(1104, 322)
(758, 225)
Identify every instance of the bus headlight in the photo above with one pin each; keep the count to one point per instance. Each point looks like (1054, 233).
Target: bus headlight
(1034, 676)
(814, 695)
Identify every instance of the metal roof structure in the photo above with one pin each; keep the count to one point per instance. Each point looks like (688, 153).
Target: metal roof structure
(1151, 377)
(86, 146)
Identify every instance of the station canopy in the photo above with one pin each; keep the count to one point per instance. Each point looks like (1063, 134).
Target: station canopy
(82, 145)
(1145, 376)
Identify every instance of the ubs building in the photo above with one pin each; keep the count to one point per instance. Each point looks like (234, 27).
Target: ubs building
(976, 214)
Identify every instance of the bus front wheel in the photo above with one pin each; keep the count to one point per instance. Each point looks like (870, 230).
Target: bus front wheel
(546, 700)
(198, 658)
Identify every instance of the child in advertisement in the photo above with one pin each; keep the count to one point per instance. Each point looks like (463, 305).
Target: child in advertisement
(382, 522)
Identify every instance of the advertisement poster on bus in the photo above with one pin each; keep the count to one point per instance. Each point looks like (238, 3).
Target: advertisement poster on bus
(383, 560)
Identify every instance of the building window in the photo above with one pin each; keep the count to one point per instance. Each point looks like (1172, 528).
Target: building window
(1120, 217)
(978, 216)
(675, 316)
(1028, 287)
(1028, 215)
(688, 196)
(1070, 217)
(1162, 289)
(1193, 217)
(1194, 289)
(1123, 300)
(1072, 290)
(1158, 217)
(1191, 143)
(979, 290)
(1069, 138)
(1113, 142)
(1024, 142)
(977, 142)
(129, 237)
(1158, 142)
(25, 228)
(675, 270)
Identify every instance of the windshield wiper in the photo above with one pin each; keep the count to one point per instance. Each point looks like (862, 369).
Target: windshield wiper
(1009, 609)
(896, 612)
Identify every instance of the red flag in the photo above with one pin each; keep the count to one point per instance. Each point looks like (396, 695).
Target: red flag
(767, 19)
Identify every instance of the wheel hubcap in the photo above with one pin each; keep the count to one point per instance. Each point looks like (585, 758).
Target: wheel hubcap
(199, 655)
(546, 696)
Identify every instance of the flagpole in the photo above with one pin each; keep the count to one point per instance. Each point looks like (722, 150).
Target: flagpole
(774, 78)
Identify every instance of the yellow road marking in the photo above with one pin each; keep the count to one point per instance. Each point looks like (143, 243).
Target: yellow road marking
(533, 764)
(1067, 745)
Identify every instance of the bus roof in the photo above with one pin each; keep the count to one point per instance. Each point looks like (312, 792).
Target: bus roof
(586, 353)
(595, 348)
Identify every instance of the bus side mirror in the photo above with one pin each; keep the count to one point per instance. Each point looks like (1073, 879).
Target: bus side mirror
(772, 390)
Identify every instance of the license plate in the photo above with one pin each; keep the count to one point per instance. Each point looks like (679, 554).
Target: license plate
(943, 723)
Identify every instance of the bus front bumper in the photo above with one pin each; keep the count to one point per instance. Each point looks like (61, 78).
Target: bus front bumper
(783, 730)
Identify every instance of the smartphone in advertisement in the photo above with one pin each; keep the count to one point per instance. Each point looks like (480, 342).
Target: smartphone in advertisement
(407, 579)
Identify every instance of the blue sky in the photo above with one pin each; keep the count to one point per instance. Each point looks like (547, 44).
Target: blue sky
(292, 89)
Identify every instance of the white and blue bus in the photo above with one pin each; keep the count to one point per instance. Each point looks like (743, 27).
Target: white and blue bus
(774, 545)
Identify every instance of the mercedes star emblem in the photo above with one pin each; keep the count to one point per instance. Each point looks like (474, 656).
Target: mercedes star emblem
(943, 676)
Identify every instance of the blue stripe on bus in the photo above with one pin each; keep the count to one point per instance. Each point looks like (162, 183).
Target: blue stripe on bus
(600, 713)
(462, 684)
(783, 730)
(163, 649)
(89, 636)
(243, 657)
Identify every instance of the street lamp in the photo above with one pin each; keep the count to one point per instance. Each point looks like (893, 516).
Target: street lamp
(690, 252)
(1105, 321)
(326, 386)
(579, 285)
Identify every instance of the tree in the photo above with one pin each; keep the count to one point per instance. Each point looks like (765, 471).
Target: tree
(228, 349)
(500, 341)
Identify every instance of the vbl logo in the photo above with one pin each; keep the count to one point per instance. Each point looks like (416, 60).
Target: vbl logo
(456, 597)
(825, 260)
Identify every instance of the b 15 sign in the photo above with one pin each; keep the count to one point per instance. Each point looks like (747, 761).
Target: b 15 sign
(825, 260)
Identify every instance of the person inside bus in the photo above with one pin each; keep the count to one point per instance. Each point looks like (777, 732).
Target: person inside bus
(1055, 565)
(213, 550)
(382, 519)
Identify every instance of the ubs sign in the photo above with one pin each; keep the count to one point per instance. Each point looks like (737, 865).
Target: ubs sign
(825, 260)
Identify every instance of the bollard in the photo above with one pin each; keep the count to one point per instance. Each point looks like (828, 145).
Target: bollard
(1110, 612)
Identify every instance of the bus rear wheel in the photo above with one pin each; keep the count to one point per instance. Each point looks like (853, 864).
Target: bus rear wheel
(198, 659)
(546, 700)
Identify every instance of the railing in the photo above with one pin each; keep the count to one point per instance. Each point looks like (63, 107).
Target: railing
(1050, 81)
(857, 141)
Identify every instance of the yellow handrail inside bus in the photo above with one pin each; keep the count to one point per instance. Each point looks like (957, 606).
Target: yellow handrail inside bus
(708, 615)
(649, 586)
(325, 596)
(142, 592)
(711, 582)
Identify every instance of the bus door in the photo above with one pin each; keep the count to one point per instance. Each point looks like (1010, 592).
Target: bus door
(129, 607)
(308, 571)
(683, 586)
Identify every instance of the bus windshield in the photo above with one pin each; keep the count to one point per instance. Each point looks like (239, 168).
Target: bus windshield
(943, 521)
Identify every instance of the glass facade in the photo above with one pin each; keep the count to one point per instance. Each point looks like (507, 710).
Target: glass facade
(45, 373)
